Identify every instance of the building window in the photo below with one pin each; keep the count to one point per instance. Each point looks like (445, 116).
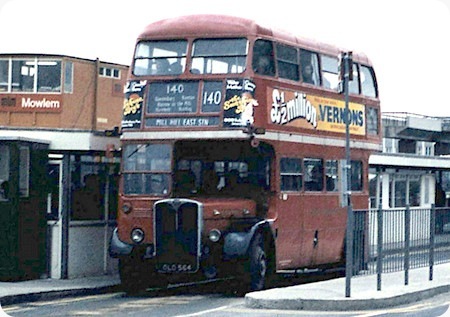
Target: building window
(404, 190)
(313, 174)
(109, 72)
(425, 148)
(291, 174)
(68, 77)
(4, 172)
(4, 75)
(23, 75)
(24, 171)
(390, 145)
(30, 75)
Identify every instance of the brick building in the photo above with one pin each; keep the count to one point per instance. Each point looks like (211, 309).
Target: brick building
(59, 121)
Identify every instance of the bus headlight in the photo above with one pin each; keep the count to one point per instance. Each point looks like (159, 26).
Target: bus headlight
(214, 235)
(137, 235)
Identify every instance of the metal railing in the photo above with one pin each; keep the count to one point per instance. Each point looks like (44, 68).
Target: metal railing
(391, 240)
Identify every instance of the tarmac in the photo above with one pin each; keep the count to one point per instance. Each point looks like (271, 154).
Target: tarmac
(328, 295)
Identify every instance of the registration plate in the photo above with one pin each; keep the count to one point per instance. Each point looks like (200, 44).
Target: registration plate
(175, 268)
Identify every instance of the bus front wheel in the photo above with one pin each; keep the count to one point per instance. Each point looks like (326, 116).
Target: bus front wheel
(258, 264)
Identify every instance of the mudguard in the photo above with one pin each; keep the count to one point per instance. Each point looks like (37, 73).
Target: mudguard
(236, 244)
(117, 247)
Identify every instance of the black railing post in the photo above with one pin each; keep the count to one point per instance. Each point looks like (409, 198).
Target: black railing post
(407, 242)
(379, 246)
(432, 239)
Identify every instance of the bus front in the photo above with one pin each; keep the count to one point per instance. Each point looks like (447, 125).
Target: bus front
(194, 182)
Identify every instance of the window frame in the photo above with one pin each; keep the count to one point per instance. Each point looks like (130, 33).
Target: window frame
(208, 59)
(294, 175)
(291, 64)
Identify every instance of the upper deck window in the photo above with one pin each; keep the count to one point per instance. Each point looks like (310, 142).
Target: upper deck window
(160, 58)
(219, 56)
(263, 62)
(368, 84)
(330, 78)
(287, 62)
(310, 67)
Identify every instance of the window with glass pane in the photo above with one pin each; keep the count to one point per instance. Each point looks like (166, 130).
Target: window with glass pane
(68, 77)
(49, 76)
(368, 87)
(219, 56)
(291, 174)
(4, 172)
(310, 67)
(147, 157)
(23, 73)
(24, 171)
(372, 121)
(146, 168)
(4, 75)
(160, 58)
(353, 85)
(331, 174)
(313, 174)
(330, 76)
(414, 190)
(263, 61)
(356, 175)
(287, 62)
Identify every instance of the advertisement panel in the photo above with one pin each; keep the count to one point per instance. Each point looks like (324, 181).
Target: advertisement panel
(301, 110)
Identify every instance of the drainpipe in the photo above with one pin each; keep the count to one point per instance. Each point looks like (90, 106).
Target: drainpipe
(94, 109)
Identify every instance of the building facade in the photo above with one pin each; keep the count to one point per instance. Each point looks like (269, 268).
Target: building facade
(59, 147)
(414, 167)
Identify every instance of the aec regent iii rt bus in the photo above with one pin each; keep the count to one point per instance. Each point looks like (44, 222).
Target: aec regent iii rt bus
(232, 137)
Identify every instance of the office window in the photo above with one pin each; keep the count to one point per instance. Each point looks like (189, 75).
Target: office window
(4, 75)
(109, 72)
(68, 77)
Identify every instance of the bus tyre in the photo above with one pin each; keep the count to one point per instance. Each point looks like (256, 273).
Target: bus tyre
(258, 264)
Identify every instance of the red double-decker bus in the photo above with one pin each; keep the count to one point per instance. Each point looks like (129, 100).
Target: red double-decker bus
(232, 141)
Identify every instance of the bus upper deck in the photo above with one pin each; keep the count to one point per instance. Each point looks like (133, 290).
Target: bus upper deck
(194, 73)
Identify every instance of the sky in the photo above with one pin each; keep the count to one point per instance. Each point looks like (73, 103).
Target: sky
(408, 41)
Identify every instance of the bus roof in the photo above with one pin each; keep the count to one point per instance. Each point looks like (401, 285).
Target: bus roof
(209, 25)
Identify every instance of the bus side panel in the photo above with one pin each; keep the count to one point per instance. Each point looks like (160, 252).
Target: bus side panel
(311, 230)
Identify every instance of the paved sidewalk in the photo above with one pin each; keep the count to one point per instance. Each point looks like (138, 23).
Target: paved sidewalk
(330, 295)
(15, 292)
